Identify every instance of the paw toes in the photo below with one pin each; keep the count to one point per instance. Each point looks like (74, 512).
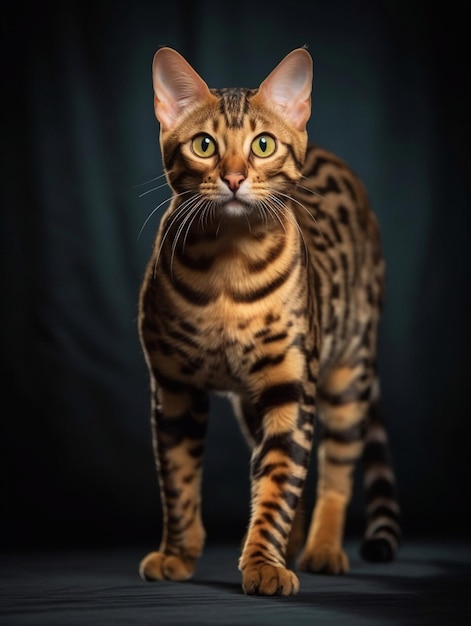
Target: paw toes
(268, 580)
(159, 566)
(324, 560)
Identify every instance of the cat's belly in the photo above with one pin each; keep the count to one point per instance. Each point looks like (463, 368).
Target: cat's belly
(218, 375)
(233, 344)
(227, 354)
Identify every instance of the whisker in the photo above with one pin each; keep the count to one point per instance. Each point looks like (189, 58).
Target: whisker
(141, 195)
(207, 213)
(204, 214)
(167, 226)
(147, 182)
(212, 211)
(306, 211)
(313, 191)
(151, 214)
(157, 208)
(199, 208)
(285, 210)
(263, 214)
(193, 206)
(273, 211)
(247, 219)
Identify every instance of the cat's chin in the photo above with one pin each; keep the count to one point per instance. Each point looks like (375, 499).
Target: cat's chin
(236, 208)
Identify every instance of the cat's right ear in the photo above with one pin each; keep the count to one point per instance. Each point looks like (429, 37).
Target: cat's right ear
(176, 87)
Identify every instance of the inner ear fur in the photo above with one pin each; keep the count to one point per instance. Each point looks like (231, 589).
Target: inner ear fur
(177, 87)
(288, 88)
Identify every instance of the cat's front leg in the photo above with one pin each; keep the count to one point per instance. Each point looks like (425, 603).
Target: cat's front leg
(179, 419)
(278, 471)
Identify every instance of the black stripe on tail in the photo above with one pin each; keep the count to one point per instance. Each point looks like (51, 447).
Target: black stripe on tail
(383, 531)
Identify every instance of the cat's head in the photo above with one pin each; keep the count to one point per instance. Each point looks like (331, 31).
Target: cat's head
(235, 149)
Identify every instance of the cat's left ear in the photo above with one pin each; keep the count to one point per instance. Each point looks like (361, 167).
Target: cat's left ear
(288, 88)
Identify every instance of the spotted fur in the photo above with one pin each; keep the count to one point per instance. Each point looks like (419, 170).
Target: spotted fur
(265, 283)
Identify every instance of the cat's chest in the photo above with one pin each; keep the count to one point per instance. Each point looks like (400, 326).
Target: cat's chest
(222, 364)
(232, 342)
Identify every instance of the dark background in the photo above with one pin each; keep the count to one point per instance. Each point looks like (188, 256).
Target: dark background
(79, 139)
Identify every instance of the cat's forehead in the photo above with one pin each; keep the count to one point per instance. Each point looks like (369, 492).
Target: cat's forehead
(234, 104)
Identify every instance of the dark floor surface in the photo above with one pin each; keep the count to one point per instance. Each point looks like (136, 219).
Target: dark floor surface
(429, 583)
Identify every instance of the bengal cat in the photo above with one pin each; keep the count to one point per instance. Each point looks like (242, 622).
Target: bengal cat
(265, 283)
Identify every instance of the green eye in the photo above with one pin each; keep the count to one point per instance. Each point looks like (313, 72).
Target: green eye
(263, 146)
(203, 146)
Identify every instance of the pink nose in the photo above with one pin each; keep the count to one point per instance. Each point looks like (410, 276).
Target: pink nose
(234, 181)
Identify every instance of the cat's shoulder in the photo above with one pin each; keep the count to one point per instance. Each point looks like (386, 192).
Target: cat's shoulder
(318, 157)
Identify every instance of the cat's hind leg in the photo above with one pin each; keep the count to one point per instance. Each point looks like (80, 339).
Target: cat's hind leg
(179, 419)
(342, 405)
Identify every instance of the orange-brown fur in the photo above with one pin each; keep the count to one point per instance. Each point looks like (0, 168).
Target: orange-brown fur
(270, 292)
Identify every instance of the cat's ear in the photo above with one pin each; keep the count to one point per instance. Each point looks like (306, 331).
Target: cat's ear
(288, 88)
(176, 87)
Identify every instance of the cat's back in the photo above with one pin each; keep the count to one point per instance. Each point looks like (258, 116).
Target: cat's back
(333, 208)
(342, 239)
(334, 192)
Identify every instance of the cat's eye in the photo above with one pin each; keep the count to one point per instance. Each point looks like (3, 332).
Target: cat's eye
(263, 146)
(203, 145)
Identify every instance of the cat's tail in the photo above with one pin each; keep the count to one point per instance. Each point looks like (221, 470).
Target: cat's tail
(383, 531)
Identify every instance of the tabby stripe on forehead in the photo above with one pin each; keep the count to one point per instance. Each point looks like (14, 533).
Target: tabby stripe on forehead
(234, 106)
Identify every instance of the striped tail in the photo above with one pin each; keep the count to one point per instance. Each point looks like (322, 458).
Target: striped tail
(383, 532)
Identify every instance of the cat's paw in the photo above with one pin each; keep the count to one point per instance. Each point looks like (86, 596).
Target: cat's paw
(160, 566)
(324, 559)
(268, 580)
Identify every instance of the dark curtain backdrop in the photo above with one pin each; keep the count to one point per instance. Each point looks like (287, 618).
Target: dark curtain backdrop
(79, 141)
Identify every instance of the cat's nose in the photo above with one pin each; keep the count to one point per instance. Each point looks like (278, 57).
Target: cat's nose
(234, 180)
